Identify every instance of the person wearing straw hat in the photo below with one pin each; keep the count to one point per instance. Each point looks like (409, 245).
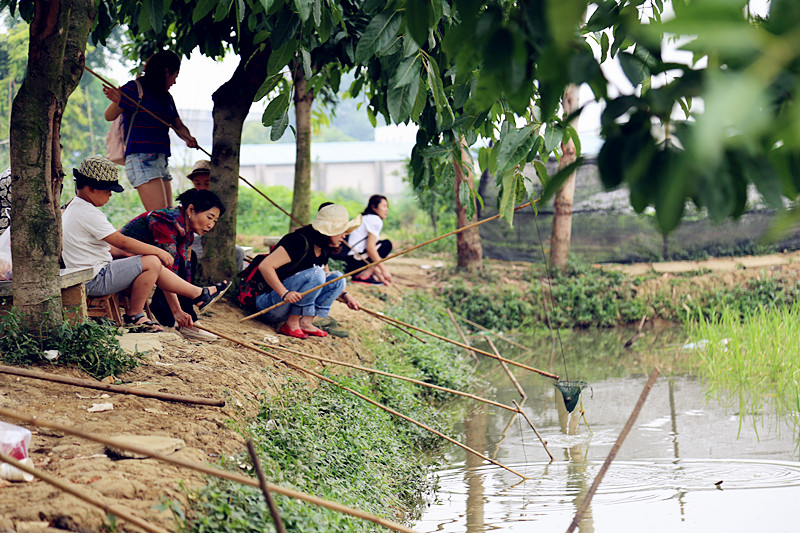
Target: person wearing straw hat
(148, 148)
(298, 264)
(119, 262)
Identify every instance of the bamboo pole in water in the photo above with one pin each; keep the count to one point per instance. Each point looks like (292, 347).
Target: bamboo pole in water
(544, 442)
(404, 330)
(199, 467)
(85, 383)
(614, 449)
(392, 256)
(81, 494)
(508, 370)
(365, 398)
(262, 481)
(445, 339)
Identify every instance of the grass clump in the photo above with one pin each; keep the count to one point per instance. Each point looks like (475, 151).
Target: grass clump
(327, 442)
(91, 346)
(752, 359)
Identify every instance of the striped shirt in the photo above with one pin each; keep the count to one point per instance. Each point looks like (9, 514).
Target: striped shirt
(148, 136)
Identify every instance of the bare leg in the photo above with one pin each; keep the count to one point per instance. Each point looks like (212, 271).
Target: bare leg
(153, 195)
(140, 290)
(167, 191)
(168, 281)
(306, 323)
(364, 274)
(293, 322)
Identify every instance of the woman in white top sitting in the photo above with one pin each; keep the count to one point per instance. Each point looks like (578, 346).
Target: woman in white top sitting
(366, 246)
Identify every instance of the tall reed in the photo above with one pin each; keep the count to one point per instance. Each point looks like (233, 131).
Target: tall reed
(753, 360)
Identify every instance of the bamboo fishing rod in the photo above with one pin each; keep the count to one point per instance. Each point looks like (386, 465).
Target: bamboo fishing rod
(614, 449)
(81, 494)
(363, 397)
(109, 387)
(462, 345)
(199, 467)
(498, 335)
(112, 86)
(262, 480)
(382, 373)
(392, 256)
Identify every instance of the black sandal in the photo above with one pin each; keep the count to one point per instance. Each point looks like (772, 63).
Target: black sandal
(147, 326)
(206, 298)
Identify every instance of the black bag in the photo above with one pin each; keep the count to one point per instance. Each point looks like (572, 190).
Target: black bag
(253, 283)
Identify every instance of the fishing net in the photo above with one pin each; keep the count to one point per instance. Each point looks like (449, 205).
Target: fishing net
(571, 391)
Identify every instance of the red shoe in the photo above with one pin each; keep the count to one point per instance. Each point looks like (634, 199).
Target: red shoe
(296, 333)
(315, 333)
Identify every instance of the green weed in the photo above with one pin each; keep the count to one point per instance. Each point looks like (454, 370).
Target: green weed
(91, 346)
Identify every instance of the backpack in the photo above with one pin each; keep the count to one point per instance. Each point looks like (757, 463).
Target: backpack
(253, 283)
(117, 138)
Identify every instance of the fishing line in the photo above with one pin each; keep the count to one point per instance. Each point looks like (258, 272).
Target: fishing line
(550, 292)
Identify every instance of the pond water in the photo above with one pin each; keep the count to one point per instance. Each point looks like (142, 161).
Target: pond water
(664, 478)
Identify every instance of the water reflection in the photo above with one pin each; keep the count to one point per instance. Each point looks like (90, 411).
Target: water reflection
(665, 475)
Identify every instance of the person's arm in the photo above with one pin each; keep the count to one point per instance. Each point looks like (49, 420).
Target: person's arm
(351, 302)
(134, 247)
(372, 252)
(183, 133)
(116, 253)
(268, 269)
(113, 110)
(182, 318)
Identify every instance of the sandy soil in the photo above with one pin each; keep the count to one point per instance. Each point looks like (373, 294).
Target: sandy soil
(171, 364)
(221, 370)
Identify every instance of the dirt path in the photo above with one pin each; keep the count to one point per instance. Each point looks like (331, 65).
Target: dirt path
(203, 434)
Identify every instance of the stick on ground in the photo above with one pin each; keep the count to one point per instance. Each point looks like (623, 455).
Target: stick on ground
(217, 472)
(81, 494)
(88, 384)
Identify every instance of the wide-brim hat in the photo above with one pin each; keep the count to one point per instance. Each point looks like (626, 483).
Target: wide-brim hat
(98, 172)
(200, 167)
(334, 220)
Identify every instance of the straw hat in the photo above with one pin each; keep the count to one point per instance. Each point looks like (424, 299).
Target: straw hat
(334, 220)
(98, 172)
(200, 167)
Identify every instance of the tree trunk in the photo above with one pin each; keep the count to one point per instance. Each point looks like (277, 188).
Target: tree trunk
(58, 36)
(468, 243)
(303, 98)
(562, 204)
(231, 105)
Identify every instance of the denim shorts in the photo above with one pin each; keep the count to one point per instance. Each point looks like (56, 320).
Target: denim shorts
(141, 168)
(116, 276)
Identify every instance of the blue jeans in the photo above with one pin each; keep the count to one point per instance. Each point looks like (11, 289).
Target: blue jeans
(317, 303)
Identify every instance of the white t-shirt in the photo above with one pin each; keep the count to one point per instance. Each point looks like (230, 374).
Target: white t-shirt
(84, 228)
(358, 239)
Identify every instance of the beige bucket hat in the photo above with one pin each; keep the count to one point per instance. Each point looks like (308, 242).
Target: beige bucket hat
(200, 167)
(334, 220)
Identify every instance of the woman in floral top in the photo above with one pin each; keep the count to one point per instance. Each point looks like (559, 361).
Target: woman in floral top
(173, 230)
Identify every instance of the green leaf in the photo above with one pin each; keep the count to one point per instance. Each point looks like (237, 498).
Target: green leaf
(557, 181)
(270, 83)
(155, 9)
(419, 15)
(483, 158)
(223, 8)
(202, 9)
(513, 148)
(303, 8)
(541, 172)
(570, 133)
(278, 106)
(267, 4)
(603, 47)
(400, 100)
(508, 194)
(306, 56)
(378, 35)
(281, 57)
(552, 137)
(317, 12)
(437, 151)
(633, 67)
(407, 72)
(279, 127)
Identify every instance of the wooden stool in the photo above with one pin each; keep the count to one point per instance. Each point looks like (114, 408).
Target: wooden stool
(105, 306)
